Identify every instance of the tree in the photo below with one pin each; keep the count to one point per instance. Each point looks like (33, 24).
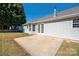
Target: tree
(11, 15)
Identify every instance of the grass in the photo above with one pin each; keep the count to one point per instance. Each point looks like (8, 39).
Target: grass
(8, 47)
(69, 48)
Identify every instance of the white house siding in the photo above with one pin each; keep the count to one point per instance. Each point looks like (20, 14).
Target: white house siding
(25, 29)
(36, 29)
(62, 29)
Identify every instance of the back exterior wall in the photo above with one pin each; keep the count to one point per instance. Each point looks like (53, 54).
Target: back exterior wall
(62, 29)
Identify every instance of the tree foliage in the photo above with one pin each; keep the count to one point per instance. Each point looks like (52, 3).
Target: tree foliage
(11, 14)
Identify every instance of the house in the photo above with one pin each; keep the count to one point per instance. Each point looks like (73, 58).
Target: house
(63, 24)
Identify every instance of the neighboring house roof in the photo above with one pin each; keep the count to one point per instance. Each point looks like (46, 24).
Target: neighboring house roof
(68, 13)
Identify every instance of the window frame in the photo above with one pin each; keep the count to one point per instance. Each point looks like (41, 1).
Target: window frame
(29, 27)
(33, 27)
(76, 23)
(42, 28)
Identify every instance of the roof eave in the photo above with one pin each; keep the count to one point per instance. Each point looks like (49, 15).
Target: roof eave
(55, 19)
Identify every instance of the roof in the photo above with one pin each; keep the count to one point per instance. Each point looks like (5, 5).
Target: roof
(68, 13)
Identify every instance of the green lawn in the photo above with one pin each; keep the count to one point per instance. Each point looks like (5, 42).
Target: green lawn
(8, 47)
(69, 48)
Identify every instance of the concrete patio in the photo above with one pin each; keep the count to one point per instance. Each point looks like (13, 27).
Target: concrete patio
(40, 45)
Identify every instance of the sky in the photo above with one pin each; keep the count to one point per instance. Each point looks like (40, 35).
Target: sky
(34, 11)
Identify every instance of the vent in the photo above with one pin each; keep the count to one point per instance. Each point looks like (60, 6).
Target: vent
(55, 12)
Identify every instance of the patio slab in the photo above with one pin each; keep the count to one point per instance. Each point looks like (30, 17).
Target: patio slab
(40, 45)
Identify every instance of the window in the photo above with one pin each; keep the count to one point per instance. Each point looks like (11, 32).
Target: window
(30, 27)
(76, 23)
(39, 28)
(42, 28)
(27, 26)
(33, 27)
